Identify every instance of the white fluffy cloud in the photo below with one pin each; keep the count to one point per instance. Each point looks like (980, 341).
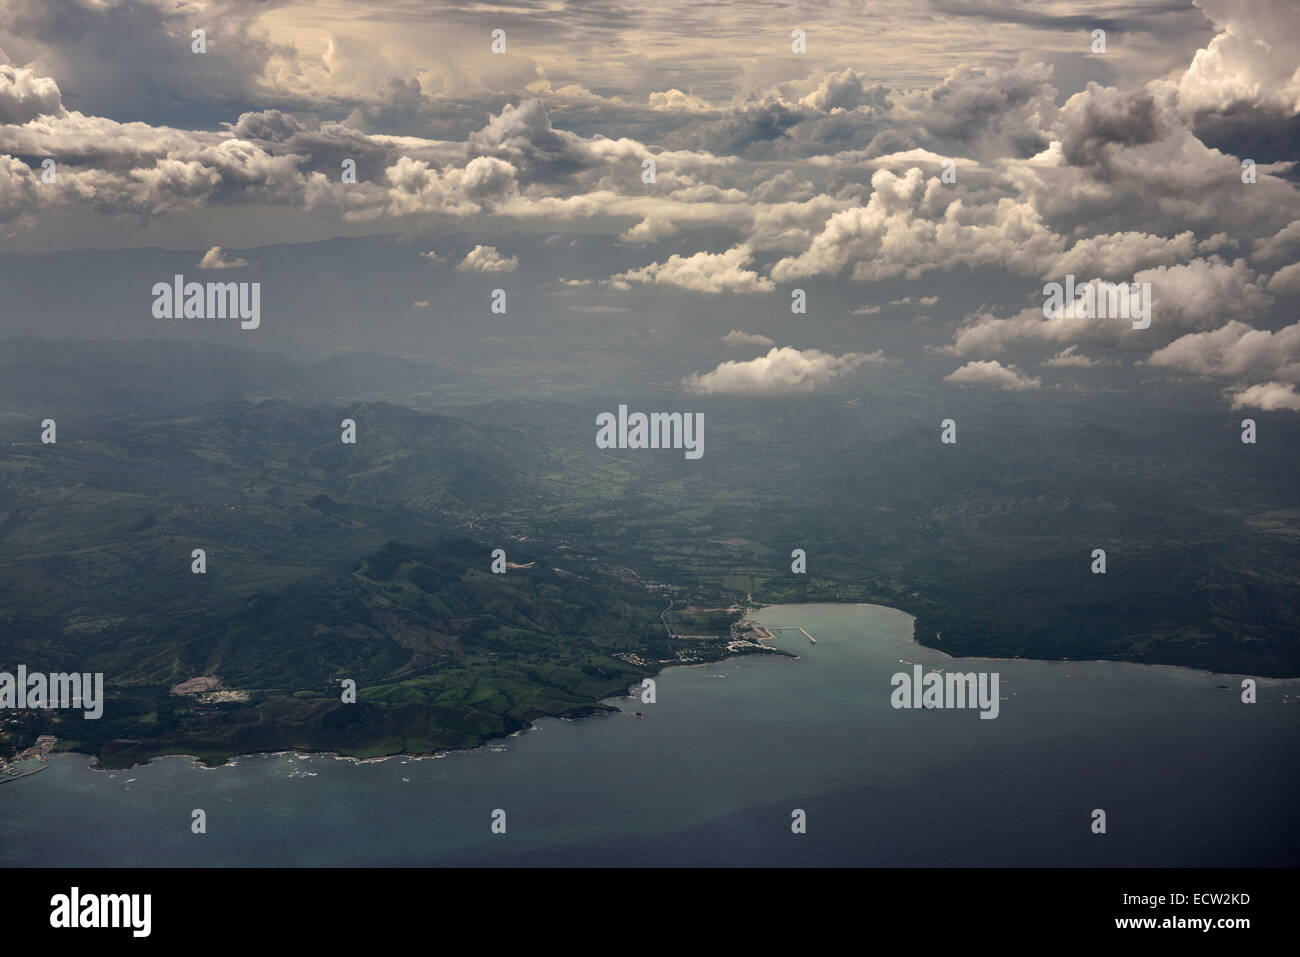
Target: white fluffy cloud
(1235, 350)
(1253, 60)
(1191, 296)
(1286, 279)
(845, 90)
(1267, 396)
(649, 230)
(675, 99)
(737, 337)
(993, 374)
(25, 96)
(1069, 356)
(418, 189)
(214, 258)
(487, 259)
(782, 370)
(1128, 161)
(1284, 244)
(819, 169)
(702, 272)
(913, 224)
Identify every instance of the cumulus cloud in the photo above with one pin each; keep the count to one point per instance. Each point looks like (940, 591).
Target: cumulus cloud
(487, 259)
(737, 337)
(1096, 122)
(913, 224)
(1000, 112)
(1284, 244)
(1252, 60)
(1190, 296)
(782, 370)
(1286, 279)
(846, 90)
(675, 99)
(82, 44)
(1235, 350)
(1198, 293)
(757, 122)
(112, 167)
(457, 191)
(1069, 356)
(25, 96)
(702, 272)
(522, 135)
(993, 374)
(215, 259)
(1267, 396)
(649, 230)
(826, 174)
(1127, 160)
(20, 194)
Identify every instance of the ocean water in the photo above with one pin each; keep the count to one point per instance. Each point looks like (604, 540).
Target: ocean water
(712, 773)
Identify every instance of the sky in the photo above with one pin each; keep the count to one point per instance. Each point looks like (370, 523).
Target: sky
(920, 171)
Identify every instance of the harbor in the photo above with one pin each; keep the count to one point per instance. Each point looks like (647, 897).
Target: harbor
(748, 626)
(811, 639)
(20, 767)
(28, 761)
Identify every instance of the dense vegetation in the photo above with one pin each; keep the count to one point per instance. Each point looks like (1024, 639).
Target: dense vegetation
(371, 561)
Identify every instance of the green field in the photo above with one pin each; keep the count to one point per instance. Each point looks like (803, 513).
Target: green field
(371, 561)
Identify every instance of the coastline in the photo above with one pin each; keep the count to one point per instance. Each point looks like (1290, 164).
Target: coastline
(782, 730)
(600, 708)
(1117, 661)
(597, 709)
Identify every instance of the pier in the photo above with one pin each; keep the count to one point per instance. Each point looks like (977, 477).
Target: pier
(20, 768)
(810, 638)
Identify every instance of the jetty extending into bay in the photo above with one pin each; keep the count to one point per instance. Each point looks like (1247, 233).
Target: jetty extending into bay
(810, 638)
(20, 768)
(28, 761)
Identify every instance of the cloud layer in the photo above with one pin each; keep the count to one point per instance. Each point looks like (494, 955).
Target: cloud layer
(716, 167)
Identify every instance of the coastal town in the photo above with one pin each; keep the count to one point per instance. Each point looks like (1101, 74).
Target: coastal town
(28, 761)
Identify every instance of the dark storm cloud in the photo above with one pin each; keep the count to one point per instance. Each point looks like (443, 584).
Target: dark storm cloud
(1264, 135)
(1001, 112)
(133, 61)
(1105, 117)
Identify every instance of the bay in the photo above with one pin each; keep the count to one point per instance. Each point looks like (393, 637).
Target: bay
(711, 773)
